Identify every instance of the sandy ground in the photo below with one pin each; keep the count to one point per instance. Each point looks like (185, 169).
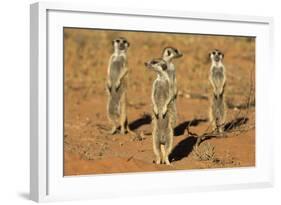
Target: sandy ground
(89, 149)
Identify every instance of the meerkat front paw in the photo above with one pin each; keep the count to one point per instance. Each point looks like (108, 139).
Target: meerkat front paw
(117, 86)
(165, 109)
(109, 88)
(167, 162)
(156, 113)
(123, 131)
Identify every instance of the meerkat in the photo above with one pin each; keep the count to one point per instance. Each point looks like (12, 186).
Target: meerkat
(168, 54)
(217, 79)
(162, 133)
(117, 85)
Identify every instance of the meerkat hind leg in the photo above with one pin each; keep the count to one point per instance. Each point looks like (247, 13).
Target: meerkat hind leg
(165, 157)
(221, 129)
(157, 151)
(114, 128)
(168, 148)
(213, 118)
(123, 116)
(158, 157)
(163, 154)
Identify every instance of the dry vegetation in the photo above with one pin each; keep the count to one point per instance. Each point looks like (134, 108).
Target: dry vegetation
(88, 149)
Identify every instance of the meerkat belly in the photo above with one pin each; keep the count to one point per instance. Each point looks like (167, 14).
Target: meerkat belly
(115, 99)
(161, 94)
(115, 70)
(217, 76)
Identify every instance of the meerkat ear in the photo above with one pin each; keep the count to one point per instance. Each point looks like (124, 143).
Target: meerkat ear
(222, 55)
(164, 67)
(112, 42)
(128, 44)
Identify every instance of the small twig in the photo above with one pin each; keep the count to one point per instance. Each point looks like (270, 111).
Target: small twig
(103, 127)
(196, 96)
(130, 158)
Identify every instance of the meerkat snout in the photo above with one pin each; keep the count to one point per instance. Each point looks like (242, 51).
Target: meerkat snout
(149, 64)
(178, 54)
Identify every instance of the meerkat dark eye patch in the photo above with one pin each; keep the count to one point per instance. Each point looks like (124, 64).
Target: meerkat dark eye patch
(153, 62)
(169, 53)
(214, 53)
(118, 41)
(176, 51)
(164, 66)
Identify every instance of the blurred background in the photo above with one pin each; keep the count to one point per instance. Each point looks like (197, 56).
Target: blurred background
(87, 52)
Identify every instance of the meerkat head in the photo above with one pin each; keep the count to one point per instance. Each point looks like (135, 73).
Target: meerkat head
(171, 53)
(120, 44)
(158, 65)
(216, 56)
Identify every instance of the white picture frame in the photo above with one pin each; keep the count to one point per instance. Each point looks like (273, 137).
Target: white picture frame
(47, 182)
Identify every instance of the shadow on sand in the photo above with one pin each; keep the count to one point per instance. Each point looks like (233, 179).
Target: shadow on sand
(143, 120)
(180, 129)
(185, 147)
(228, 127)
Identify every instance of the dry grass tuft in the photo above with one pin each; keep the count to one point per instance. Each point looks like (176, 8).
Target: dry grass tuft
(205, 152)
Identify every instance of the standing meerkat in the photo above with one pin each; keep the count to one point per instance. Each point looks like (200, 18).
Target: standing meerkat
(168, 54)
(217, 79)
(117, 85)
(162, 133)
